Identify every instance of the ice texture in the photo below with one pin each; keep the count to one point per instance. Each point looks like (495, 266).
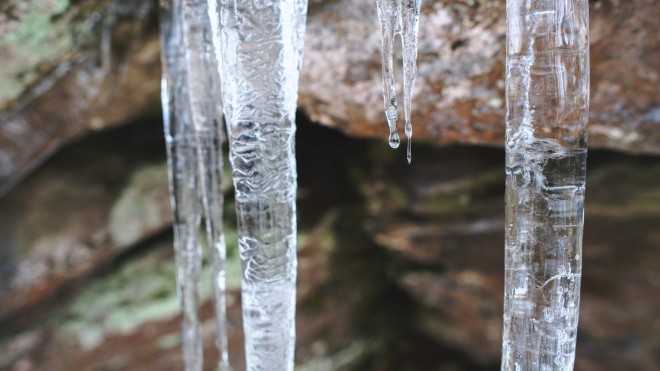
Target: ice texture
(547, 91)
(261, 45)
(399, 17)
(192, 112)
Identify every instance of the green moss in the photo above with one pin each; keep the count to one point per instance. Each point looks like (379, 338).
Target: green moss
(37, 28)
(37, 38)
(141, 290)
(44, 34)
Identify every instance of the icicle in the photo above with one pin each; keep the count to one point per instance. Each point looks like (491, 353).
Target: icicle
(388, 17)
(261, 51)
(410, 25)
(183, 183)
(205, 102)
(399, 17)
(193, 129)
(548, 102)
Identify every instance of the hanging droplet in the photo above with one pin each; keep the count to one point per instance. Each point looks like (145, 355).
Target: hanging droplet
(394, 139)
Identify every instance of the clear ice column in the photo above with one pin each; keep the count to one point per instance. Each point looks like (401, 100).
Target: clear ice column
(192, 114)
(183, 184)
(547, 91)
(205, 102)
(261, 46)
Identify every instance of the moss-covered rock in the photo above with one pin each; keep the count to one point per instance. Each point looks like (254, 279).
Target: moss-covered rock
(36, 35)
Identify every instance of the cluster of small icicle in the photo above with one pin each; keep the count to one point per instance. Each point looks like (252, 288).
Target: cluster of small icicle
(399, 17)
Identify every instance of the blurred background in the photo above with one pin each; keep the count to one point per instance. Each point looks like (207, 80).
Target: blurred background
(400, 266)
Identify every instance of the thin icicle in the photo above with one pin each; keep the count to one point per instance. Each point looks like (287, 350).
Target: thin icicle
(546, 148)
(410, 25)
(205, 103)
(183, 184)
(388, 17)
(261, 51)
(399, 17)
(193, 123)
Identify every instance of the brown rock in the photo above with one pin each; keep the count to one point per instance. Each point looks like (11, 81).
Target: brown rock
(459, 94)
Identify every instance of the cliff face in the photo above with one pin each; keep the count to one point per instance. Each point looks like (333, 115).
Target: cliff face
(400, 266)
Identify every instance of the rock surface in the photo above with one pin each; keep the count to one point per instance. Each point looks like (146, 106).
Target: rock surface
(459, 94)
(105, 71)
(102, 70)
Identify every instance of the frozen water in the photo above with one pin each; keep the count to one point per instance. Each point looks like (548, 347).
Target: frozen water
(261, 45)
(193, 131)
(388, 15)
(547, 100)
(399, 17)
(183, 183)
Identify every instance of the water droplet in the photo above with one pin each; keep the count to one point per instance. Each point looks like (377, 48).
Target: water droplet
(394, 139)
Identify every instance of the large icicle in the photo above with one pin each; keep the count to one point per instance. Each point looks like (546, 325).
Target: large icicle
(399, 17)
(261, 49)
(193, 130)
(548, 98)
